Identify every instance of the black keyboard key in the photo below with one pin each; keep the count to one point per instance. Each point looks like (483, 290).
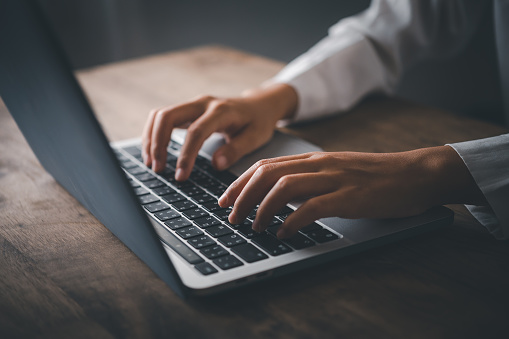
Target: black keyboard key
(218, 231)
(298, 241)
(227, 262)
(207, 221)
(192, 190)
(144, 177)
(173, 198)
(226, 177)
(222, 214)
(285, 211)
(212, 206)
(231, 240)
(205, 268)
(163, 190)
(140, 191)
(194, 213)
(189, 232)
(217, 190)
(134, 184)
(128, 164)
(247, 231)
(153, 183)
(147, 199)
(167, 215)
(178, 223)
(310, 228)
(201, 241)
(178, 246)
(271, 245)
(249, 253)
(214, 252)
(156, 206)
(275, 222)
(182, 184)
(136, 170)
(322, 235)
(133, 150)
(203, 198)
(252, 214)
(273, 229)
(207, 182)
(183, 205)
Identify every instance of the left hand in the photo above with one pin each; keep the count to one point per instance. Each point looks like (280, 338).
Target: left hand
(350, 185)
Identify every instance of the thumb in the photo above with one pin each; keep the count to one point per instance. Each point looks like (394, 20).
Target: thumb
(238, 146)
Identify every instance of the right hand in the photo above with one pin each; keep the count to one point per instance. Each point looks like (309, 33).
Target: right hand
(246, 122)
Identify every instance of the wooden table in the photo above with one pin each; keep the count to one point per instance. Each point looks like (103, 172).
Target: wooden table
(63, 274)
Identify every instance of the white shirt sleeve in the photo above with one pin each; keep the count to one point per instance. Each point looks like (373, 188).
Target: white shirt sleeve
(368, 53)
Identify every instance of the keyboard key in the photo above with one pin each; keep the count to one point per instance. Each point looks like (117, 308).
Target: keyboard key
(222, 214)
(147, 199)
(298, 241)
(322, 235)
(189, 232)
(194, 213)
(249, 253)
(207, 182)
(182, 184)
(178, 223)
(201, 241)
(136, 170)
(271, 245)
(140, 191)
(192, 190)
(183, 205)
(212, 206)
(247, 231)
(217, 190)
(207, 221)
(285, 211)
(167, 215)
(218, 231)
(156, 206)
(163, 190)
(128, 164)
(153, 183)
(214, 251)
(178, 246)
(252, 214)
(311, 227)
(205, 268)
(133, 150)
(227, 262)
(173, 198)
(144, 177)
(231, 240)
(203, 198)
(134, 184)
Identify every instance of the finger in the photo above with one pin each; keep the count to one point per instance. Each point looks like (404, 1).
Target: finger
(290, 188)
(243, 143)
(316, 208)
(261, 182)
(164, 122)
(233, 191)
(146, 136)
(213, 120)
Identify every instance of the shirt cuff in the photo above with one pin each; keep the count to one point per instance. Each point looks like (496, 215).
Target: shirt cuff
(488, 162)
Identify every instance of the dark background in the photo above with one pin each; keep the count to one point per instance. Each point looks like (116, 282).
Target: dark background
(94, 32)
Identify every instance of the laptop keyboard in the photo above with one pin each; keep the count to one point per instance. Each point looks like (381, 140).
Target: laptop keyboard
(196, 227)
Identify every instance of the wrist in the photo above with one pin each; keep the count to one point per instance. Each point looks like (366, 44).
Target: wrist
(450, 181)
(278, 100)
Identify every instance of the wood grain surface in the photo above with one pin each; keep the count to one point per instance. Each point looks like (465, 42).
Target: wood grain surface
(64, 275)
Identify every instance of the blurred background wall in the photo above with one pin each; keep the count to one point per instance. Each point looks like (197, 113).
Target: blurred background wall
(99, 31)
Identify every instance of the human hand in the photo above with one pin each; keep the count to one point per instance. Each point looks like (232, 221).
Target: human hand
(350, 185)
(246, 122)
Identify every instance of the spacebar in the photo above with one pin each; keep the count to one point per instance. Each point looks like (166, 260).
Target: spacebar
(177, 245)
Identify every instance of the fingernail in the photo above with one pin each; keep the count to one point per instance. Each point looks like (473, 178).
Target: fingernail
(179, 174)
(222, 162)
(232, 218)
(255, 226)
(282, 233)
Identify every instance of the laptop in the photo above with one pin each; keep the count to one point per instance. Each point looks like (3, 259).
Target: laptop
(176, 228)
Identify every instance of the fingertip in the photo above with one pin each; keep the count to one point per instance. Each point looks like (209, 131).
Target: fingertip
(221, 162)
(180, 174)
(223, 200)
(283, 233)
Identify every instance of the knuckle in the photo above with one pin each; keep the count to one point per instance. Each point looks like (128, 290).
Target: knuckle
(221, 104)
(285, 182)
(264, 170)
(195, 130)
(204, 98)
(261, 163)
